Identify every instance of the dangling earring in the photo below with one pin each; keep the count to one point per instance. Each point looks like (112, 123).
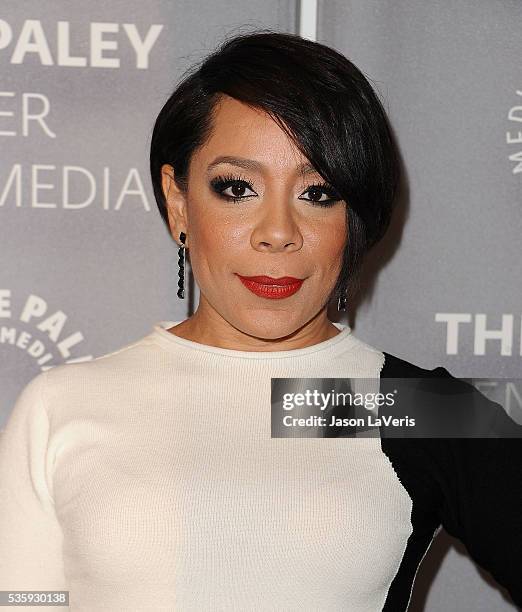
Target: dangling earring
(181, 263)
(341, 302)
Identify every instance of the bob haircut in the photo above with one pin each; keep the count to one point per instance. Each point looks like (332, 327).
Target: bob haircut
(320, 99)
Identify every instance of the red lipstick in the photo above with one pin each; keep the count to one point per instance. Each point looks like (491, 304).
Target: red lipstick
(272, 288)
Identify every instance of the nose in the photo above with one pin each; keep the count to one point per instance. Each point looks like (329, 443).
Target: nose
(276, 230)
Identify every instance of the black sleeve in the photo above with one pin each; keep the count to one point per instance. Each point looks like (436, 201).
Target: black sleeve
(472, 484)
(481, 486)
(480, 483)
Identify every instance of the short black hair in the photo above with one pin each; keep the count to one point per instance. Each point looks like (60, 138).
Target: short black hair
(322, 101)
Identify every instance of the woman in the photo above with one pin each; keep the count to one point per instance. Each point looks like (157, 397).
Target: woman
(147, 479)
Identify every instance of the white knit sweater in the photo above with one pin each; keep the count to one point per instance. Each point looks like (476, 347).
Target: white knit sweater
(147, 479)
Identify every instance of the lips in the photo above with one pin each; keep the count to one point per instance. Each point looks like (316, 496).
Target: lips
(272, 288)
(268, 280)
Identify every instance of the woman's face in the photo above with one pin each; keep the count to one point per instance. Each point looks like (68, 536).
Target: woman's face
(277, 225)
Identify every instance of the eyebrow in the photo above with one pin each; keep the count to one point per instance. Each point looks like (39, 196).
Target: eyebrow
(251, 164)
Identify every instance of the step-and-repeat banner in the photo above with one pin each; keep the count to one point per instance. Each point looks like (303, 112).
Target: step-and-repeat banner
(88, 266)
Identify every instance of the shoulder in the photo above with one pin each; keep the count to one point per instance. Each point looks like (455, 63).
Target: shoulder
(445, 406)
(108, 372)
(395, 367)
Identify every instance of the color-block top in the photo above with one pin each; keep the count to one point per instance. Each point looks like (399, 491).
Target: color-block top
(147, 479)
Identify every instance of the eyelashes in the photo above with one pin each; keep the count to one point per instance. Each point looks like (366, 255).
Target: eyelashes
(230, 181)
(239, 188)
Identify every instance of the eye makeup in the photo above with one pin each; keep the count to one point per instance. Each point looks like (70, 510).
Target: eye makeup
(219, 184)
(236, 182)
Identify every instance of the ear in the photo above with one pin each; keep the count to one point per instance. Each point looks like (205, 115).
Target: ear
(176, 203)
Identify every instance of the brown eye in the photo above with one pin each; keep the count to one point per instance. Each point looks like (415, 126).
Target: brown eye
(235, 186)
(316, 193)
(237, 190)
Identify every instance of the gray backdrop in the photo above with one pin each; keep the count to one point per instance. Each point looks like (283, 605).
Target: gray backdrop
(88, 265)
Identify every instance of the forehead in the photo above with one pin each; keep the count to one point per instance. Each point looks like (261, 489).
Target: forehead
(240, 130)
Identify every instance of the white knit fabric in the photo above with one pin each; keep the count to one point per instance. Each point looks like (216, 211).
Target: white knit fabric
(146, 479)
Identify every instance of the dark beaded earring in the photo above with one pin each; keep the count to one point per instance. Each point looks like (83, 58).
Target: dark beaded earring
(181, 263)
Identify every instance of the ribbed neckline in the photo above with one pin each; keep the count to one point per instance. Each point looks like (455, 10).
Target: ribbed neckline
(173, 342)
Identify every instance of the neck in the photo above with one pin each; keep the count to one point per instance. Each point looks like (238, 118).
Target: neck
(210, 328)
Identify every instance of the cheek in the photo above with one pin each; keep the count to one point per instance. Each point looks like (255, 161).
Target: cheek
(327, 237)
(217, 237)
(339, 229)
(335, 243)
(338, 235)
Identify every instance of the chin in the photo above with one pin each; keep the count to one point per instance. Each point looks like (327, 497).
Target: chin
(269, 325)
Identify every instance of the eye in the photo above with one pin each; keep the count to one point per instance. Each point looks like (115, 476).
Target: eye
(235, 185)
(318, 191)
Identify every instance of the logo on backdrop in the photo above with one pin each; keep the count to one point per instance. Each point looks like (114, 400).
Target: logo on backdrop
(51, 46)
(39, 331)
(514, 136)
(473, 333)
(29, 114)
(29, 185)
